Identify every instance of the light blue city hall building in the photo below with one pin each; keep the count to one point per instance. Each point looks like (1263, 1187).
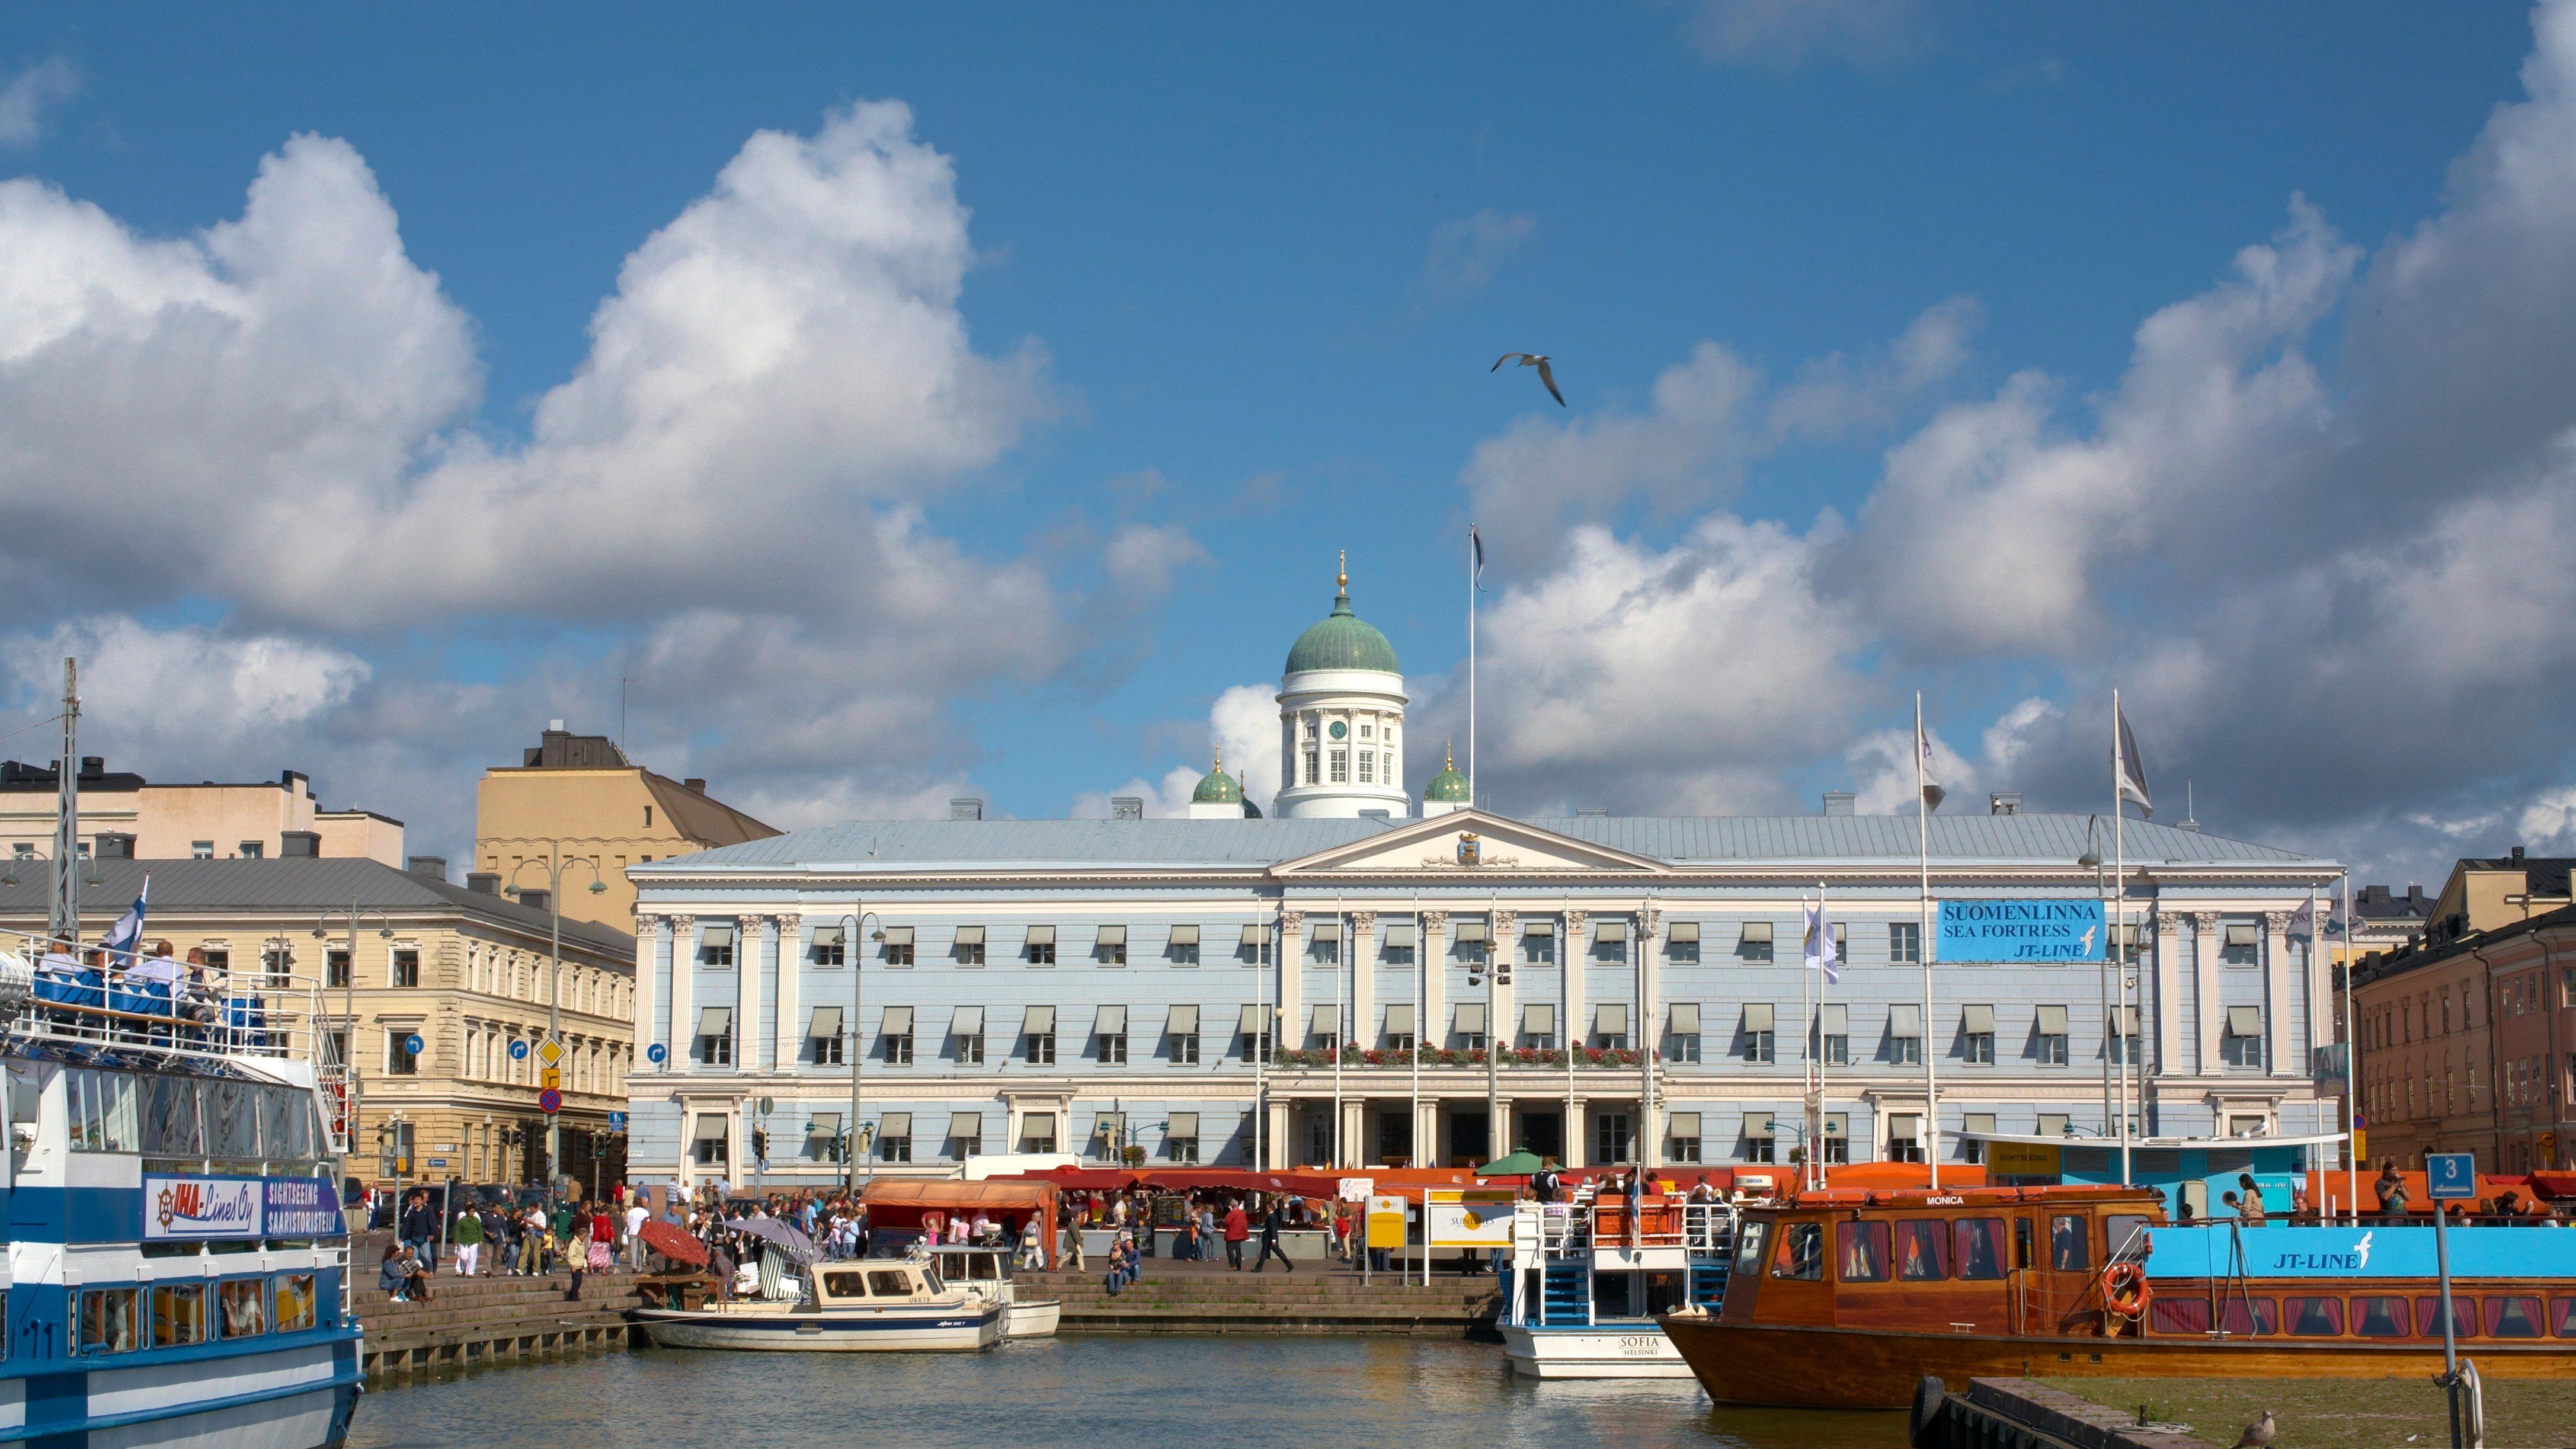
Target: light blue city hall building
(1180, 986)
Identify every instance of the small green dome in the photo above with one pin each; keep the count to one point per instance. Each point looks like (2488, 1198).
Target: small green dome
(1217, 787)
(1448, 787)
(1342, 640)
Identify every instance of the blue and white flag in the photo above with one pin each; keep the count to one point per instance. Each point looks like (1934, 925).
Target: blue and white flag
(1476, 544)
(124, 940)
(1821, 954)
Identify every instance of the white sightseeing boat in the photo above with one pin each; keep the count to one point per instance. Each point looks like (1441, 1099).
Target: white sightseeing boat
(1586, 1284)
(988, 1271)
(861, 1306)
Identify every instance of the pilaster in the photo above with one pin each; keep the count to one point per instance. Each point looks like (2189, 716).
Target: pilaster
(789, 953)
(1290, 1024)
(1505, 1029)
(2164, 978)
(2280, 1050)
(747, 966)
(1576, 962)
(1354, 1130)
(1432, 953)
(651, 940)
(2208, 1016)
(684, 1025)
(1360, 1027)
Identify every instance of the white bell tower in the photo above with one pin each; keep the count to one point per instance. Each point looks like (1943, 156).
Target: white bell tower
(1341, 719)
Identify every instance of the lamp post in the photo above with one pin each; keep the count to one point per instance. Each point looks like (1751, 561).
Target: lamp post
(355, 1090)
(854, 924)
(553, 861)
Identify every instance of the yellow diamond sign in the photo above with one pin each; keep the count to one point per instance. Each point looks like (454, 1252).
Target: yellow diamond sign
(550, 1051)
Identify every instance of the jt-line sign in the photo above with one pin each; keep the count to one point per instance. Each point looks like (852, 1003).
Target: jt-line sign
(2057, 930)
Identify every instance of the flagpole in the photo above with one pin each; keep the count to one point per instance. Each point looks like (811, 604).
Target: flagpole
(1923, 950)
(1473, 548)
(1824, 945)
(2351, 1065)
(2120, 885)
(1808, 1126)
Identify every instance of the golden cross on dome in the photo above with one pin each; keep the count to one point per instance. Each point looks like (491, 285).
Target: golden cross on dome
(1342, 579)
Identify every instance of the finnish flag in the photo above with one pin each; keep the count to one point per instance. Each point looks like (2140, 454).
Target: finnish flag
(124, 940)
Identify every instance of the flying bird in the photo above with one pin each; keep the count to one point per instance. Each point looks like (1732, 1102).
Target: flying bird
(2257, 1434)
(1532, 359)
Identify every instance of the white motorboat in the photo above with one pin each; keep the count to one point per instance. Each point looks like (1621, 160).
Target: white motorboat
(988, 1271)
(870, 1305)
(1586, 1284)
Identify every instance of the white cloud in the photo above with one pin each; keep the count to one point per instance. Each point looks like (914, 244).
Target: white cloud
(2548, 823)
(1466, 253)
(1836, 395)
(218, 690)
(1788, 32)
(24, 99)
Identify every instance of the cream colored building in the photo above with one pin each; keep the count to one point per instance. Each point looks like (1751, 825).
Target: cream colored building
(580, 790)
(465, 971)
(209, 821)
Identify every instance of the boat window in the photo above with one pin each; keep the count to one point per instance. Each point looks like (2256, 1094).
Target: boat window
(1749, 1243)
(178, 1315)
(244, 1302)
(101, 1112)
(107, 1320)
(2128, 1235)
(2249, 1315)
(845, 1285)
(889, 1283)
(2562, 1317)
(1977, 1247)
(2379, 1316)
(2464, 1316)
(2179, 1315)
(2069, 1248)
(1862, 1247)
(295, 1302)
(1922, 1250)
(1802, 1252)
(170, 1126)
(2511, 1315)
(2314, 1317)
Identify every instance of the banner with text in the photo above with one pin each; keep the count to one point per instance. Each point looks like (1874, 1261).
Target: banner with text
(199, 1207)
(2013, 931)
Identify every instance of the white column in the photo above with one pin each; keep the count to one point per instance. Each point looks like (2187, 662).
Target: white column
(2166, 978)
(1503, 1032)
(2209, 1016)
(648, 947)
(1281, 1152)
(1354, 1124)
(1292, 981)
(684, 1024)
(1432, 1030)
(746, 999)
(791, 967)
(1647, 1035)
(1361, 1030)
(1577, 1129)
(2280, 1050)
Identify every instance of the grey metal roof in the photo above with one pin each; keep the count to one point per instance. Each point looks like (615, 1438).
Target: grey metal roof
(2054, 839)
(288, 886)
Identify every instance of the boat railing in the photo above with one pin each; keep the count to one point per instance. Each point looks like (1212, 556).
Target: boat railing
(1576, 1229)
(87, 997)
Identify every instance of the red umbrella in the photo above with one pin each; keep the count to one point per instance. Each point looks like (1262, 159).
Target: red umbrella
(673, 1244)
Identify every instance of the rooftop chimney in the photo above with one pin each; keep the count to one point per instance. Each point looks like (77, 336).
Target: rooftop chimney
(2517, 855)
(696, 786)
(93, 764)
(556, 725)
(1838, 802)
(304, 843)
(1126, 807)
(115, 845)
(1591, 814)
(485, 881)
(432, 866)
(2004, 802)
(965, 807)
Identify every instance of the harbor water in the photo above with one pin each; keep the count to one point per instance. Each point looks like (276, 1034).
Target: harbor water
(1089, 1391)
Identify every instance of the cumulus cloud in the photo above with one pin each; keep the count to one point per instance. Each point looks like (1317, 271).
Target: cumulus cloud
(24, 99)
(1467, 252)
(1789, 32)
(1837, 395)
(1242, 731)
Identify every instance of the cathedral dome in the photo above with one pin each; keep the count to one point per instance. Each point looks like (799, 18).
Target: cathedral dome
(1342, 640)
(1217, 787)
(1448, 787)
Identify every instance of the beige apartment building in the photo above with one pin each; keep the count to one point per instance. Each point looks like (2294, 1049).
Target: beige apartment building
(465, 971)
(609, 814)
(123, 814)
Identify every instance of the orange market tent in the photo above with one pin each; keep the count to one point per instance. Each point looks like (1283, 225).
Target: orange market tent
(901, 1203)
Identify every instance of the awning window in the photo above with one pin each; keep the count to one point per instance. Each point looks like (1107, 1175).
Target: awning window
(1112, 936)
(2052, 1124)
(2240, 933)
(1684, 1125)
(1469, 1019)
(1399, 1020)
(1977, 1020)
(824, 1124)
(1610, 931)
(898, 935)
(1680, 931)
(826, 1021)
(1111, 1021)
(1545, 930)
(1905, 1018)
(969, 1021)
(1184, 1127)
(970, 935)
(2052, 1021)
(1185, 935)
(1834, 1019)
(2127, 1016)
(1108, 1124)
(1904, 1126)
(1838, 1124)
(831, 935)
(2244, 1021)
(1324, 1021)
(1758, 1126)
(965, 1126)
(715, 1021)
(711, 1129)
(1538, 1019)
(1181, 1021)
(895, 1124)
(1402, 933)
(1758, 1016)
(1980, 1124)
(1249, 1023)
(1610, 1018)
(1757, 931)
(1256, 934)
(715, 936)
(1325, 930)
(1037, 1021)
(1041, 935)
(1470, 931)
(897, 1021)
(1686, 1018)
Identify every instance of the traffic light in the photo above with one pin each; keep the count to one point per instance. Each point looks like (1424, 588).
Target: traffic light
(760, 1144)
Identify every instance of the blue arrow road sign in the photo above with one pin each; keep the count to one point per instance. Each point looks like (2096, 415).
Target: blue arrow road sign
(518, 1051)
(654, 1053)
(2450, 1175)
(414, 1045)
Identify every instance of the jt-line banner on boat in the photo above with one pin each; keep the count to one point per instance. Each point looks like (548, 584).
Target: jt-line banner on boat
(2045, 930)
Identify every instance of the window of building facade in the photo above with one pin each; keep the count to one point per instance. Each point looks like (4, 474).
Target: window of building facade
(966, 1035)
(1833, 1032)
(1681, 1137)
(1610, 1137)
(1681, 1035)
(894, 1030)
(197, 850)
(894, 1137)
(2052, 1036)
(1904, 1137)
(896, 948)
(711, 1147)
(1037, 1037)
(1310, 767)
(830, 947)
(1754, 943)
(1109, 1036)
(1341, 767)
(1040, 949)
(400, 1059)
(1538, 945)
(968, 947)
(1761, 1142)
(1185, 1050)
(335, 968)
(715, 1036)
(1970, 1148)
(715, 948)
(2242, 1043)
(1977, 1028)
(248, 850)
(1324, 944)
(1681, 943)
(1905, 943)
(2238, 944)
(1759, 1023)
(1182, 949)
(1836, 1147)
(1399, 1034)
(1037, 1132)
(1538, 1026)
(1368, 766)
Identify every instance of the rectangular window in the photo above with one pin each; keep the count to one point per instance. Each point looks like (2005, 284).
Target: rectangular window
(2052, 1036)
(1754, 944)
(965, 1135)
(1109, 946)
(1681, 1032)
(1681, 1137)
(712, 1146)
(178, 1314)
(1467, 1025)
(715, 1036)
(107, 1321)
(1905, 943)
(1970, 1148)
(248, 850)
(1041, 946)
(1760, 1139)
(197, 850)
(830, 947)
(895, 1030)
(1109, 1036)
(715, 948)
(1310, 767)
(399, 1059)
(1324, 946)
(242, 1307)
(2242, 1046)
(1610, 942)
(1833, 1031)
(1538, 944)
(1837, 1144)
(406, 968)
(1681, 943)
(1977, 1028)
(1538, 1026)
(1341, 767)
(1181, 1137)
(1182, 949)
(1904, 1137)
(894, 1137)
(1368, 767)
(1037, 1036)
(2237, 944)
(1977, 1248)
(1610, 1137)
(896, 947)
(968, 948)
(335, 969)
(1253, 946)
(966, 1032)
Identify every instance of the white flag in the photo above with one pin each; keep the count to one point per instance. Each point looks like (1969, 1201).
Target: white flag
(2133, 775)
(1821, 955)
(1932, 791)
(2303, 921)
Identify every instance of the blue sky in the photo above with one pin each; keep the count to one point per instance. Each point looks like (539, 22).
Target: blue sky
(1240, 279)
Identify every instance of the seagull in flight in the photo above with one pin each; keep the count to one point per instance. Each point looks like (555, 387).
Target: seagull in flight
(1532, 359)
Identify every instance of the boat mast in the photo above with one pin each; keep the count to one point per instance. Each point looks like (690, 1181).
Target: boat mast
(62, 915)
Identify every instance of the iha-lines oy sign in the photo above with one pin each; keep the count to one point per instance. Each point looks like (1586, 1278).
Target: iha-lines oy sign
(202, 1207)
(2047, 930)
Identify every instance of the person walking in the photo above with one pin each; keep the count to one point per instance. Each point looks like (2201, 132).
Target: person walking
(635, 1216)
(1238, 1226)
(467, 1236)
(1271, 1222)
(418, 1225)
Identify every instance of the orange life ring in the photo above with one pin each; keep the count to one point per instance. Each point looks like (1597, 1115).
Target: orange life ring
(2125, 1291)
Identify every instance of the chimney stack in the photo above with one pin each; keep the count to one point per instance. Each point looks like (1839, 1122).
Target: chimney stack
(1838, 802)
(965, 807)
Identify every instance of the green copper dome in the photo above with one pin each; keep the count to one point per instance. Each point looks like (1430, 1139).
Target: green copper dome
(1342, 640)
(1448, 787)
(1217, 787)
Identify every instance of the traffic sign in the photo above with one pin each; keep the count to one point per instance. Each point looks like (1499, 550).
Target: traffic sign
(550, 1101)
(518, 1051)
(414, 1045)
(616, 1121)
(2450, 1175)
(2549, 1148)
(768, 1105)
(655, 1053)
(550, 1078)
(551, 1052)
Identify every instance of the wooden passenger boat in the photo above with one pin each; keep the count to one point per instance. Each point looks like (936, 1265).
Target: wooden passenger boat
(868, 1305)
(1845, 1299)
(987, 1271)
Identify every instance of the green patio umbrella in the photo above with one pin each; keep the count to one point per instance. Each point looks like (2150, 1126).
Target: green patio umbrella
(1511, 1164)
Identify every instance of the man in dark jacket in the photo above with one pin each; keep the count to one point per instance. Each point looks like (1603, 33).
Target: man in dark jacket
(420, 1228)
(1271, 1223)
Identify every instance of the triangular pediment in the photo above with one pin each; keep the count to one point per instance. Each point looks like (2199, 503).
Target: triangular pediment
(1471, 843)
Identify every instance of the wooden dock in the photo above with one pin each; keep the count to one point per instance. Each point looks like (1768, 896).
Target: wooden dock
(492, 1320)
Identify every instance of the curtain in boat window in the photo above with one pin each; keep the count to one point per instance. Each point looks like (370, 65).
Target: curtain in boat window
(1977, 1248)
(1922, 1250)
(232, 1119)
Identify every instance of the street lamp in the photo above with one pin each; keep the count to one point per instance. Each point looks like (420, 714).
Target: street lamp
(854, 925)
(355, 1091)
(553, 862)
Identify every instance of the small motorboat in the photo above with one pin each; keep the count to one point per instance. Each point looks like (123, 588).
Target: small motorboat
(988, 1271)
(862, 1306)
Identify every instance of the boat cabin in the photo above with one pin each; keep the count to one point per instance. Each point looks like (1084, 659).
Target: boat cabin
(875, 1281)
